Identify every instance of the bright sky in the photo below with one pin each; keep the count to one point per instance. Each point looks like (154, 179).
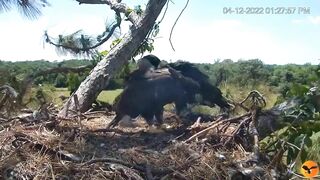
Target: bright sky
(204, 32)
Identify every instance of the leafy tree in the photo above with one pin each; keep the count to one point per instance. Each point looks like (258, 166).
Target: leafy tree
(251, 69)
(60, 81)
(73, 82)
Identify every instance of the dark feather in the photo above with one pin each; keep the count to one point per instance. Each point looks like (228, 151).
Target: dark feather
(313, 167)
(154, 60)
(305, 167)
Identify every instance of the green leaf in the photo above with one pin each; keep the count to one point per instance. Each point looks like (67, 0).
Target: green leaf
(308, 141)
(304, 155)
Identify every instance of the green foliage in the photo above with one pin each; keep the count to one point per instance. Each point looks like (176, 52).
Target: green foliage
(5, 75)
(60, 81)
(73, 82)
(104, 53)
(128, 11)
(285, 78)
(98, 56)
(115, 42)
(30, 9)
(297, 90)
(138, 9)
(76, 43)
(118, 81)
(308, 106)
(14, 72)
(251, 69)
(146, 45)
(300, 135)
(302, 122)
(115, 83)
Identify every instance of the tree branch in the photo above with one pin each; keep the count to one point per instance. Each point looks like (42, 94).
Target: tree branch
(118, 7)
(75, 49)
(176, 23)
(63, 70)
(91, 2)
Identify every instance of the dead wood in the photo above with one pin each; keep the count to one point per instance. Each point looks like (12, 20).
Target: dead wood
(214, 125)
(234, 133)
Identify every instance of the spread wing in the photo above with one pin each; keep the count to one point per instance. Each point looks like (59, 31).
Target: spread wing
(305, 167)
(314, 167)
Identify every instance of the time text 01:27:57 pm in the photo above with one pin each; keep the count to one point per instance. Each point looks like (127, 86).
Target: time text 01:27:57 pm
(266, 10)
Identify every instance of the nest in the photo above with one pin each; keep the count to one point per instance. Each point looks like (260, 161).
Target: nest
(80, 148)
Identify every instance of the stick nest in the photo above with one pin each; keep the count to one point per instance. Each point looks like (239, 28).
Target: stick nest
(80, 148)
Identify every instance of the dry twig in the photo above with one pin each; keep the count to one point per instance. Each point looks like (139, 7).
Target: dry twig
(214, 125)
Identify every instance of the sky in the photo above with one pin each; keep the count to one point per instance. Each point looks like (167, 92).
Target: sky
(205, 32)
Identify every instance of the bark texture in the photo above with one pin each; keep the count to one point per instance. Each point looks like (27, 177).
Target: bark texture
(99, 76)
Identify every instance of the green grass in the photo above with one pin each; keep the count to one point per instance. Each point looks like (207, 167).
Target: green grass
(109, 95)
(60, 92)
(230, 91)
(53, 95)
(315, 148)
(238, 93)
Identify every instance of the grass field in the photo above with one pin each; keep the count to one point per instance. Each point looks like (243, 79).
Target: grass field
(230, 91)
(109, 96)
(239, 93)
(105, 96)
(54, 95)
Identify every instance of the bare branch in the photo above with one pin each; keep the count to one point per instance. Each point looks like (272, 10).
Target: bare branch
(165, 12)
(118, 7)
(91, 2)
(63, 70)
(214, 125)
(157, 171)
(176, 23)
